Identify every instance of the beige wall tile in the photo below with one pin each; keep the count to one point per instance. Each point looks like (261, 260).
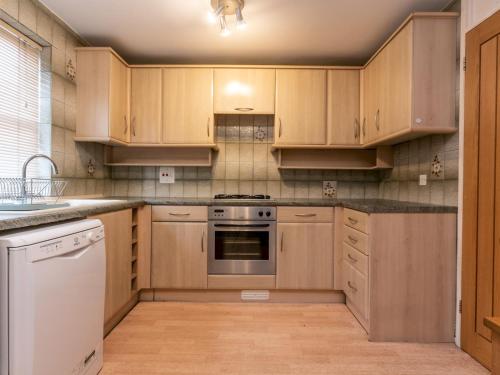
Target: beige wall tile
(58, 36)
(190, 189)
(259, 187)
(44, 25)
(204, 189)
(27, 14)
(57, 88)
(11, 7)
(232, 152)
(287, 189)
(162, 190)
(246, 187)
(218, 187)
(57, 139)
(232, 171)
(274, 189)
(232, 187)
(58, 61)
(246, 171)
(57, 113)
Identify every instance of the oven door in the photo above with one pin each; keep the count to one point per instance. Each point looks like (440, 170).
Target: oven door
(242, 248)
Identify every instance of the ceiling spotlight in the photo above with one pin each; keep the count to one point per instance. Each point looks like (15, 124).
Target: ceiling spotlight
(224, 31)
(240, 22)
(213, 16)
(223, 8)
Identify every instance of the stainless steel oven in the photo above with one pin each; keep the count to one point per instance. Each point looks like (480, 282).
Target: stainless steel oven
(241, 240)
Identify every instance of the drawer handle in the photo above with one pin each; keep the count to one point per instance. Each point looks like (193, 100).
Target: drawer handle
(179, 213)
(305, 215)
(352, 239)
(352, 220)
(244, 109)
(352, 258)
(202, 241)
(352, 287)
(282, 240)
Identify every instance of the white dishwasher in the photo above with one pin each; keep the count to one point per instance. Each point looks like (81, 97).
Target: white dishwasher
(52, 285)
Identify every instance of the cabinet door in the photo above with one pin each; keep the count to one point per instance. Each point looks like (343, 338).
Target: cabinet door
(118, 240)
(118, 98)
(305, 256)
(187, 106)
(145, 105)
(398, 78)
(179, 255)
(300, 107)
(244, 91)
(343, 107)
(370, 127)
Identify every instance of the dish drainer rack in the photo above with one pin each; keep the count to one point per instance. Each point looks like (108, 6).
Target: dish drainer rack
(30, 190)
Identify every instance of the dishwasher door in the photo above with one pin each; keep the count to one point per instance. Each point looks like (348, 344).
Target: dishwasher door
(56, 306)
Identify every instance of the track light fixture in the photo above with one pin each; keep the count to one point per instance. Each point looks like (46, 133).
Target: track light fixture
(223, 8)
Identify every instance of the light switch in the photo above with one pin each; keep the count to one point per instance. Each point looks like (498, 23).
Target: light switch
(167, 175)
(422, 180)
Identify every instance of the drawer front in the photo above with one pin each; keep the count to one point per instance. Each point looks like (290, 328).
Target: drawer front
(356, 239)
(305, 214)
(356, 288)
(180, 213)
(357, 220)
(355, 258)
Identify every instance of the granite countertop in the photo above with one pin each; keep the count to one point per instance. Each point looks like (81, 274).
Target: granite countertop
(81, 208)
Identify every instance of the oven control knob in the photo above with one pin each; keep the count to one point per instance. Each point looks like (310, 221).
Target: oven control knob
(261, 213)
(268, 213)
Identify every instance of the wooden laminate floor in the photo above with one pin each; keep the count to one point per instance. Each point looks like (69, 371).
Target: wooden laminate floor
(236, 338)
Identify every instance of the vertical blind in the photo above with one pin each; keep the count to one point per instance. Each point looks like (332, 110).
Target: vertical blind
(20, 83)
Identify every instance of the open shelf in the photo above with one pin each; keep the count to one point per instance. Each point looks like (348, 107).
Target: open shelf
(378, 158)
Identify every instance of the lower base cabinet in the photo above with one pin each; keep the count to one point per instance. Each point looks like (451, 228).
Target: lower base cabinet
(304, 248)
(179, 255)
(118, 240)
(399, 274)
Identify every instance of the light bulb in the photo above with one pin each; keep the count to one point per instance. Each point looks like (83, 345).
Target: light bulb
(212, 16)
(240, 22)
(224, 31)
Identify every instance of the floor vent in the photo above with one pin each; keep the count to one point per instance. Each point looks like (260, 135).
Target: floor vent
(254, 295)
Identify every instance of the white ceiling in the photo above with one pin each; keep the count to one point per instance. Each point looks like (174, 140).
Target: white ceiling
(278, 32)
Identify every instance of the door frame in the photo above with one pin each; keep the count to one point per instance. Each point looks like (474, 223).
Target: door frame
(471, 342)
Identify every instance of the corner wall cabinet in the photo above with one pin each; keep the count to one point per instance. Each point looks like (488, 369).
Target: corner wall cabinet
(102, 97)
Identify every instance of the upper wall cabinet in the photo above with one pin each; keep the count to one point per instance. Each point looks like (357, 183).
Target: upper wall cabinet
(343, 108)
(409, 85)
(102, 97)
(145, 105)
(300, 107)
(188, 106)
(244, 91)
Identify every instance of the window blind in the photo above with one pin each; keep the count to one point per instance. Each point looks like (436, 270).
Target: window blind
(20, 86)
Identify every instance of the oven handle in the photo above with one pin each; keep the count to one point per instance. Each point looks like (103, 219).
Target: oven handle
(241, 225)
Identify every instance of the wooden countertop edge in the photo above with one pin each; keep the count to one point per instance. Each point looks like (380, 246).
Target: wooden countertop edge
(493, 324)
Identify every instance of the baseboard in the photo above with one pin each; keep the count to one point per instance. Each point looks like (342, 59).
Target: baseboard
(275, 296)
(115, 319)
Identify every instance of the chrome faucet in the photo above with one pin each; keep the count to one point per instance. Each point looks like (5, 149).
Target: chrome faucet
(25, 167)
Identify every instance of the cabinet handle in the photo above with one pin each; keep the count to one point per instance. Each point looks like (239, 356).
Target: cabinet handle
(356, 128)
(352, 239)
(377, 119)
(125, 129)
(364, 126)
(203, 241)
(179, 213)
(282, 239)
(352, 287)
(133, 126)
(208, 127)
(352, 258)
(243, 109)
(279, 129)
(351, 220)
(305, 215)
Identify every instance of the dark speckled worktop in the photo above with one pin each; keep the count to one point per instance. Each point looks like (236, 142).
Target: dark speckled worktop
(84, 208)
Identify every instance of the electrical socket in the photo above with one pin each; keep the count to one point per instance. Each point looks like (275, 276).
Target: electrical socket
(167, 175)
(422, 180)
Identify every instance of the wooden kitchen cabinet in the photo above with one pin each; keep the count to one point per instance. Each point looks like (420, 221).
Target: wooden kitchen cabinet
(179, 255)
(300, 117)
(244, 90)
(188, 106)
(118, 241)
(409, 84)
(399, 272)
(343, 111)
(305, 248)
(102, 97)
(146, 105)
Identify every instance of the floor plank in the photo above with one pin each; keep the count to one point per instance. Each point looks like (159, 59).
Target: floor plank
(258, 339)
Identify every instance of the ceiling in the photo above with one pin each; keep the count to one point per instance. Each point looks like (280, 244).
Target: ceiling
(278, 32)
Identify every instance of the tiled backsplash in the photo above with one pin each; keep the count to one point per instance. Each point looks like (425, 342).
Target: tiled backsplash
(244, 164)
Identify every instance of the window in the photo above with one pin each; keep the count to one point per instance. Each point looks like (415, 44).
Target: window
(21, 134)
